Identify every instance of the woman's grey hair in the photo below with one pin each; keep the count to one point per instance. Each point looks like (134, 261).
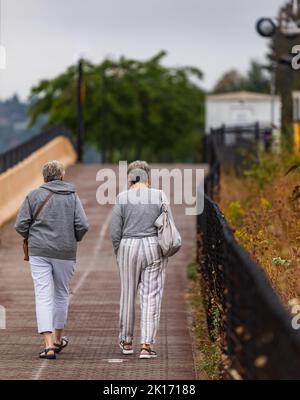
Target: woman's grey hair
(53, 171)
(138, 171)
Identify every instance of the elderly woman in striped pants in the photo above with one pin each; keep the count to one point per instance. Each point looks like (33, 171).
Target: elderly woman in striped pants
(139, 257)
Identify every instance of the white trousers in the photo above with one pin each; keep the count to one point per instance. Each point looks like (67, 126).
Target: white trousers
(51, 278)
(142, 267)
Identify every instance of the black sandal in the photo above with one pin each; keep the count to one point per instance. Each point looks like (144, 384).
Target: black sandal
(44, 354)
(126, 347)
(147, 352)
(60, 346)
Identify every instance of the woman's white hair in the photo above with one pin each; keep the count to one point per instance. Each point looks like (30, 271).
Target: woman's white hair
(138, 171)
(53, 171)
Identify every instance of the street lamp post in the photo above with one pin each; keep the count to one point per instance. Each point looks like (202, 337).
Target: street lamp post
(295, 7)
(273, 94)
(80, 119)
(287, 24)
(103, 110)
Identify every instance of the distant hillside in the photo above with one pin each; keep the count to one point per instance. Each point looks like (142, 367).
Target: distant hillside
(13, 123)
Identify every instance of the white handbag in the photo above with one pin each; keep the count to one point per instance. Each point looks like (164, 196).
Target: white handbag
(169, 238)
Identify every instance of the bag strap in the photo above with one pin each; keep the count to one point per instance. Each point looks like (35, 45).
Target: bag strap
(39, 210)
(164, 205)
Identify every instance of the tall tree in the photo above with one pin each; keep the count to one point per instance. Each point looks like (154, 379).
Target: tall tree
(132, 108)
(231, 81)
(256, 79)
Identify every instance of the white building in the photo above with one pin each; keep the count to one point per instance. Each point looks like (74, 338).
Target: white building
(242, 108)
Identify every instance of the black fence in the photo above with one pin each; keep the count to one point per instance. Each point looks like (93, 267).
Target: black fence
(212, 180)
(239, 146)
(13, 156)
(243, 311)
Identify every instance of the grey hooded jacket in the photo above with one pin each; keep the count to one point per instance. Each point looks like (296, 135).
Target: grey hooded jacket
(59, 226)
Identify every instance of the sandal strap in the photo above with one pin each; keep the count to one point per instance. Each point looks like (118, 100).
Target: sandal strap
(46, 351)
(148, 349)
(123, 343)
(61, 344)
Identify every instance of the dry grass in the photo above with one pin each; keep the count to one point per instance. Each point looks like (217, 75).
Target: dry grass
(266, 221)
(207, 354)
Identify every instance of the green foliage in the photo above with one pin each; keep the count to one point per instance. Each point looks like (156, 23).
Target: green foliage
(263, 171)
(231, 81)
(235, 213)
(133, 109)
(192, 271)
(256, 80)
(289, 161)
(216, 321)
(208, 355)
(212, 360)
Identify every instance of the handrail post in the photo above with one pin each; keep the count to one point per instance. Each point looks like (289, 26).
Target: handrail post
(80, 120)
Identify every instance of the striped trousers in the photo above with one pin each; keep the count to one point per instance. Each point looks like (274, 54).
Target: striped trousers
(142, 267)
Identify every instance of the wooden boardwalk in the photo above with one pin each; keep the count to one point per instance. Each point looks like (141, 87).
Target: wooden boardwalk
(93, 314)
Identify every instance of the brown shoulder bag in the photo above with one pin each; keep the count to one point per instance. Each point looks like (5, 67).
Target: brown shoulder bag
(25, 241)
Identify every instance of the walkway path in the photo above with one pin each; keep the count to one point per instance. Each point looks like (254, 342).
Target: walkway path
(93, 314)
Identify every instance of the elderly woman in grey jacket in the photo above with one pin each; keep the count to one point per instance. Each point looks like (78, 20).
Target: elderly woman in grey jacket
(53, 220)
(139, 257)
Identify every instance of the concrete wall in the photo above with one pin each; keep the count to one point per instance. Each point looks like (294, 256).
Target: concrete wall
(18, 181)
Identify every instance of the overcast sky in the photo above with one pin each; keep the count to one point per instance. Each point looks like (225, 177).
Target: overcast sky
(43, 37)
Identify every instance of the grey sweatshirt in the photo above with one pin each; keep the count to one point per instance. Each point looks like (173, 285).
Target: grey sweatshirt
(134, 214)
(60, 225)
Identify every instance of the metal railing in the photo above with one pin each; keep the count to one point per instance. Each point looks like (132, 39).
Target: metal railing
(243, 311)
(212, 179)
(239, 146)
(16, 154)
